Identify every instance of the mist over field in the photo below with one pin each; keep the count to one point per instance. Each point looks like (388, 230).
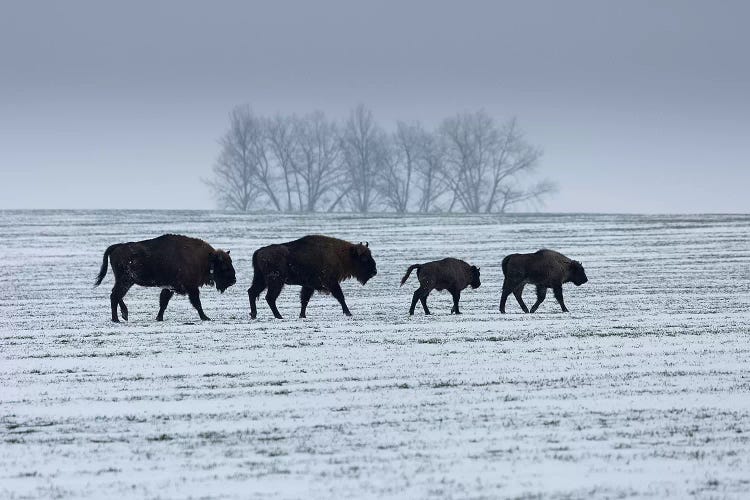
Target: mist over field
(638, 107)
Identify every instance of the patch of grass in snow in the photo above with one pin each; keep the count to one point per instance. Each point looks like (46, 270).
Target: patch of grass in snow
(160, 437)
(445, 383)
(433, 340)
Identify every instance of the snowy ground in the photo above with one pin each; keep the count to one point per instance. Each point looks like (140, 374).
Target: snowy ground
(642, 390)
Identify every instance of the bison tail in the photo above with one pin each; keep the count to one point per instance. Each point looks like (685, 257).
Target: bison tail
(505, 265)
(408, 272)
(105, 264)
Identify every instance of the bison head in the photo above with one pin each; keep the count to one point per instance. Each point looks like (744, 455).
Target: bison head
(576, 273)
(363, 263)
(222, 270)
(475, 277)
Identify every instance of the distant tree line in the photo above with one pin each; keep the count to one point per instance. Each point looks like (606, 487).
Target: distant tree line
(310, 163)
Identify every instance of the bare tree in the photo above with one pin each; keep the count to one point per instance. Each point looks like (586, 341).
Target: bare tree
(484, 163)
(399, 158)
(316, 161)
(234, 171)
(283, 145)
(288, 163)
(361, 144)
(265, 170)
(430, 166)
(469, 141)
(514, 157)
(244, 172)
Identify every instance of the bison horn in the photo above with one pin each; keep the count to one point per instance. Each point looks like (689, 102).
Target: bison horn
(228, 252)
(367, 244)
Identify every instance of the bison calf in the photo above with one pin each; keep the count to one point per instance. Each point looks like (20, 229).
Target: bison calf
(313, 262)
(448, 274)
(174, 263)
(545, 269)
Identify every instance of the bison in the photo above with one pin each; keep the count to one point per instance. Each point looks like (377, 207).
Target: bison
(317, 263)
(174, 263)
(545, 269)
(448, 274)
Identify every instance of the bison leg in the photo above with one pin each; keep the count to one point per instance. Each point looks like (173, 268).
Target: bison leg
(163, 301)
(420, 294)
(559, 296)
(259, 284)
(414, 300)
(423, 299)
(456, 297)
(195, 299)
(123, 309)
(115, 298)
(274, 290)
(518, 293)
(304, 298)
(541, 293)
(507, 290)
(339, 295)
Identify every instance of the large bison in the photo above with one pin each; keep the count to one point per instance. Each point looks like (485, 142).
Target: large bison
(545, 269)
(447, 274)
(174, 263)
(313, 262)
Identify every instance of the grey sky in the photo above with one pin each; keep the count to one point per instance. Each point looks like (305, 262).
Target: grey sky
(640, 106)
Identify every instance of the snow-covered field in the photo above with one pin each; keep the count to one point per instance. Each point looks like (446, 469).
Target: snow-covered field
(642, 390)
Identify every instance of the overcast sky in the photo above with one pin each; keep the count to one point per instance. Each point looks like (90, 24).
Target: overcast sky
(640, 106)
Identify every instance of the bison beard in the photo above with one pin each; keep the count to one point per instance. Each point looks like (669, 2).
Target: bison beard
(317, 263)
(545, 269)
(175, 263)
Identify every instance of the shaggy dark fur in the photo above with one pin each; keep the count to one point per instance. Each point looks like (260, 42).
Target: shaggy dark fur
(317, 263)
(545, 269)
(448, 274)
(174, 263)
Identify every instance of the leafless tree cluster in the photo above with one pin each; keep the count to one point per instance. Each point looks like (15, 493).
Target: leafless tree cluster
(311, 163)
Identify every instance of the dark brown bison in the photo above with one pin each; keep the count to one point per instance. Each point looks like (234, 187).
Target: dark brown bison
(448, 274)
(174, 263)
(545, 269)
(313, 262)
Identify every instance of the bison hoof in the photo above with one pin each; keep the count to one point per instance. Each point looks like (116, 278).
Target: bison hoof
(115, 320)
(159, 318)
(347, 313)
(205, 318)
